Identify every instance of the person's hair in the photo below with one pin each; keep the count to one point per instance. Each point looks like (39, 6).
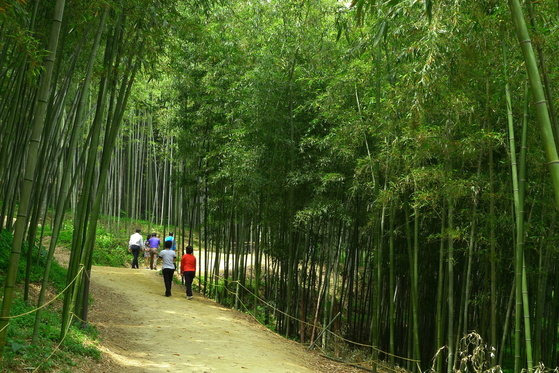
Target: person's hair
(154, 234)
(170, 233)
(168, 244)
(189, 249)
(138, 230)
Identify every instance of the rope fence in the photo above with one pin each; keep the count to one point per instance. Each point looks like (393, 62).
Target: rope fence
(356, 364)
(45, 304)
(374, 348)
(57, 347)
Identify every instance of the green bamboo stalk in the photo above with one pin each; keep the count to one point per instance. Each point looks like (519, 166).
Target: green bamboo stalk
(80, 216)
(518, 182)
(471, 246)
(536, 88)
(521, 196)
(376, 298)
(542, 112)
(392, 281)
(544, 74)
(492, 246)
(65, 189)
(518, 222)
(439, 322)
(108, 146)
(33, 147)
(450, 332)
(414, 270)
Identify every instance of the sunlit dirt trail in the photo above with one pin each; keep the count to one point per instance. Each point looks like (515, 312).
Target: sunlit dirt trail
(143, 331)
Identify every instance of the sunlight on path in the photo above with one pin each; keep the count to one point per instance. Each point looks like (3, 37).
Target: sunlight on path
(143, 331)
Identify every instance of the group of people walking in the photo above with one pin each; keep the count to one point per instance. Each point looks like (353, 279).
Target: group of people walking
(168, 255)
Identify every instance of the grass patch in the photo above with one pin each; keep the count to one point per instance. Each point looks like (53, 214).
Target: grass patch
(109, 250)
(19, 353)
(39, 256)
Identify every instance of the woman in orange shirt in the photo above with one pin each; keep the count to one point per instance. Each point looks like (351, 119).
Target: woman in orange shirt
(188, 270)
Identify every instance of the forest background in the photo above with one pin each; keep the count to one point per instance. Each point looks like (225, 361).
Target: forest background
(377, 171)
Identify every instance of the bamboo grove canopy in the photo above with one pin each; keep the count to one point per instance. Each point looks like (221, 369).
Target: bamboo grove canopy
(382, 174)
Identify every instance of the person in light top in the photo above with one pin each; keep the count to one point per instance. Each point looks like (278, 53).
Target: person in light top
(135, 246)
(188, 270)
(168, 266)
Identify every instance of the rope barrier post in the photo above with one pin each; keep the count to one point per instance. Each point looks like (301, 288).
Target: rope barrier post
(237, 296)
(323, 330)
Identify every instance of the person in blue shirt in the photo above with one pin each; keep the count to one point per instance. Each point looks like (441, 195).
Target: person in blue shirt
(172, 239)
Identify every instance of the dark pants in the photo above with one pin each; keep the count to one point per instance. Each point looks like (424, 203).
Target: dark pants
(135, 252)
(188, 278)
(168, 279)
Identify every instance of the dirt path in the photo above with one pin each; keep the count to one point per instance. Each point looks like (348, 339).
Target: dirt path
(143, 331)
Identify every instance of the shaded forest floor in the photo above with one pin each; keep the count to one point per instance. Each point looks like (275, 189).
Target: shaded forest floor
(143, 331)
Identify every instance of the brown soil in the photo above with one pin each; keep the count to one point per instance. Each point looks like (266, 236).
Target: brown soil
(143, 331)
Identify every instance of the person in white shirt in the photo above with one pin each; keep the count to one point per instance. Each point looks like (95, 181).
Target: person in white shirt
(135, 246)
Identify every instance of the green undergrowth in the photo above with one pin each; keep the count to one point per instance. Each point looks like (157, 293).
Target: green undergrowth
(111, 239)
(39, 255)
(19, 354)
(109, 250)
(111, 242)
(122, 228)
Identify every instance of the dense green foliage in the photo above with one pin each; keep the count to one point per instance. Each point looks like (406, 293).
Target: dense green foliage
(375, 171)
(109, 250)
(360, 154)
(66, 73)
(58, 274)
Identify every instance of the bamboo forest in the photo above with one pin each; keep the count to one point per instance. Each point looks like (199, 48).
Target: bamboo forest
(364, 185)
